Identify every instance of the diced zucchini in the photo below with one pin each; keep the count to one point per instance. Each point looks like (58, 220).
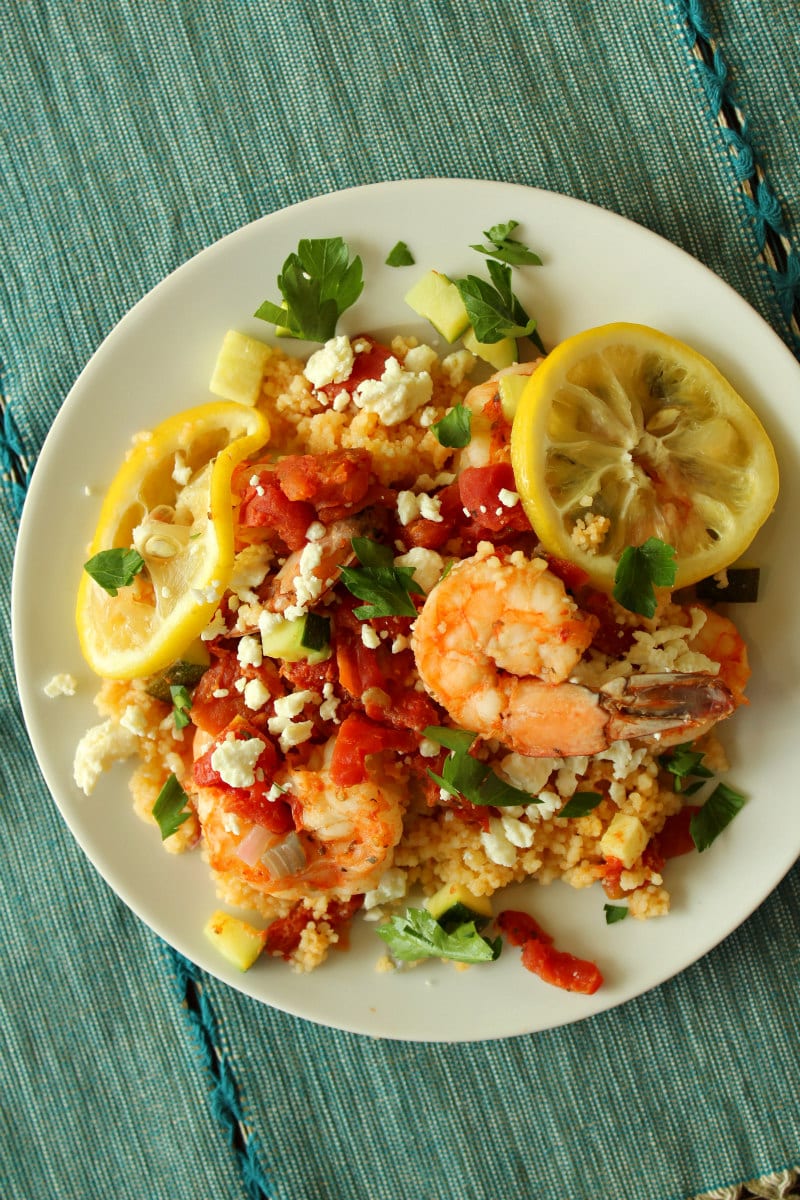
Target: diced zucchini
(237, 941)
(625, 839)
(497, 354)
(455, 905)
(438, 300)
(289, 639)
(185, 672)
(239, 368)
(511, 389)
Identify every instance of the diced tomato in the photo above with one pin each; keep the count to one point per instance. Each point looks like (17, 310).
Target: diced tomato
(283, 935)
(430, 535)
(612, 871)
(571, 575)
(335, 484)
(370, 363)
(252, 802)
(216, 701)
(358, 737)
(675, 838)
(479, 491)
(305, 676)
(265, 505)
(411, 709)
(358, 667)
(540, 956)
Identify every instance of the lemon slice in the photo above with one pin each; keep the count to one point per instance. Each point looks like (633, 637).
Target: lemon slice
(622, 434)
(171, 501)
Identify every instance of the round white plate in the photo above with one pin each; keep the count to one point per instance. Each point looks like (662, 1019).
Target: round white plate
(597, 268)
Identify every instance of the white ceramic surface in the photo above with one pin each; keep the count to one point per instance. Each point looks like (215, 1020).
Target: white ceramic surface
(597, 268)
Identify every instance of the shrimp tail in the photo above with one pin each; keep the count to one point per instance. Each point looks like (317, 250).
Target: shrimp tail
(653, 705)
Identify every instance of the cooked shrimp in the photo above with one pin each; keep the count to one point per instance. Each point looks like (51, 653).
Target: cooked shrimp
(343, 841)
(481, 450)
(496, 643)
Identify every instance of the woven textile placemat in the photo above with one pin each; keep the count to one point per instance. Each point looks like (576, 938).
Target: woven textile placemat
(133, 136)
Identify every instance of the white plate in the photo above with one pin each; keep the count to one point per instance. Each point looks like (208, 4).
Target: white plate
(597, 268)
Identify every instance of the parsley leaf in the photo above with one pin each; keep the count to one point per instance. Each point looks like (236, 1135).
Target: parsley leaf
(455, 428)
(181, 703)
(169, 808)
(580, 804)
(317, 282)
(682, 762)
(506, 248)
(640, 570)
(615, 913)
(494, 312)
(718, 811)
(400, 256)
(114, 569)
(387, 588)
(418, 935)
(464, 775)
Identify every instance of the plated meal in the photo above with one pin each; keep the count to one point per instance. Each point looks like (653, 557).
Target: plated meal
(423, 587)
(369, 627)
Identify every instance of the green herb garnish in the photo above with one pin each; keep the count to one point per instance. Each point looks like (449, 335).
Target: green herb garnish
(580, 804)
(169, 808)
(114, 569)
(615, 913)
(418, 935)
(465, 776)
(387, 588)
(317, 283)
(640, 570)
(455, 428)
(494, 312)
(684, 763)
(506, 248)
(181, 703)
(718, 811)
(399, 256)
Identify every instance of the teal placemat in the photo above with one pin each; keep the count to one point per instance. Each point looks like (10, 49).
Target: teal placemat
(134, 135)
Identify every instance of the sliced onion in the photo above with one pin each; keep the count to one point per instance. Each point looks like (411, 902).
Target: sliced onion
(253, 845)
(287, 858)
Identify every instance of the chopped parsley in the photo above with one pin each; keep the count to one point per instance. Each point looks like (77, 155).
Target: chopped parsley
(718, 811)
(615, 913)
(454, 429)
(399, 256)
(507, 249)
(388, 589)
(494, 311)
(114, 569)
(640, 570)
(317, 282)
(181, 704)
(685, 764)
(580, 804)
(418, 935)
(468, 777)
(169, 809)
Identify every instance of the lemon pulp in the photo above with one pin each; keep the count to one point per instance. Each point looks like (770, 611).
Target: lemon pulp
(624, 433)
(171, 500)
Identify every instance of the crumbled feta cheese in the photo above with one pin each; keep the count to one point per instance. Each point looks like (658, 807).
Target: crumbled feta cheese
(315, 532)
(235, 760)
(427, 566)
(99, 747)
(429, 508)
(340, 401)
(230, 823)
(519, 833)
(407, 507)
(400, 643)
(369, 636)
(391, 886)
(255, 694)
(420, 358)
(135, 719)
(291, 732)
(332, 364)
(61, 685)
(330, 703)
(215, 628)
(497, 845)
(249, 652)
(458, 365)
(428, 748)
(396, 395)
(307, 585)
(508, 498)
(220, 693)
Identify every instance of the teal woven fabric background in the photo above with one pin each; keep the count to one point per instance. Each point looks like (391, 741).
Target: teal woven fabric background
(132, 135)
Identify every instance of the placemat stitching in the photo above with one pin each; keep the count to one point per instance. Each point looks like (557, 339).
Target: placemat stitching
(761, 205)
(224, 1098)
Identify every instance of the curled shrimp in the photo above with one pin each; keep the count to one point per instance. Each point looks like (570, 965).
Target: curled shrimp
(343, 840)
(484, 444)
(496, 643)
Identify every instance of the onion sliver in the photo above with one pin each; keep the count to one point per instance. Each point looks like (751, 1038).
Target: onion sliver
(287, 858)
(253, 845)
